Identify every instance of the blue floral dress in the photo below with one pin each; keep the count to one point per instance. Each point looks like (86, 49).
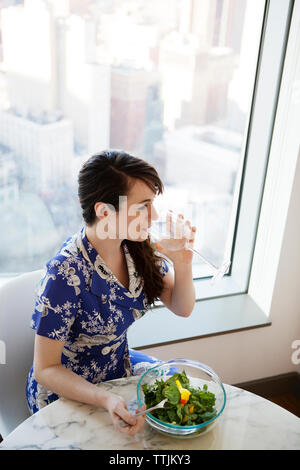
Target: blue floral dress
(80, 301)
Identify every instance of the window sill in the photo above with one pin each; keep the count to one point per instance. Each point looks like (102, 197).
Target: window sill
(210, 317)
(206, 290)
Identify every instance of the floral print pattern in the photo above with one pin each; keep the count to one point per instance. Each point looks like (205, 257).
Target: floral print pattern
(81, 302)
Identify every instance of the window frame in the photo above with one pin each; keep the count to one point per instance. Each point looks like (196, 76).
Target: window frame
(251, 176)
(231, 295)
(229, 306)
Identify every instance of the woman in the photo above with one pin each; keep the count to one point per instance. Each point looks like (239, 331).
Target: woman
(103, 279)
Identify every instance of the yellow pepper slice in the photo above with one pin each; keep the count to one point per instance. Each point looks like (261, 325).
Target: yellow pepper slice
(184, 393)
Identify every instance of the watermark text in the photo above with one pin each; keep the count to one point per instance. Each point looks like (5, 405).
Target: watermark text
(2, 352)
(296, 354)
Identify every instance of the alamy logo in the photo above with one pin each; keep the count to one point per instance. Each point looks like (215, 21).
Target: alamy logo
(296, 354)
(2, 352)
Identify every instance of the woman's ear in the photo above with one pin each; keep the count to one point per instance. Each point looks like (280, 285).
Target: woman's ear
(101, 210)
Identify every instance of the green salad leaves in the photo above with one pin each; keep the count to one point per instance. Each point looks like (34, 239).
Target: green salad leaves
(186, 405)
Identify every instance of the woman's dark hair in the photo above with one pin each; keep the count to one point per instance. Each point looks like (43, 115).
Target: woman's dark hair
(108, 175)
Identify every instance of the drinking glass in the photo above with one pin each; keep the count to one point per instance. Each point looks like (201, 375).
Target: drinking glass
(165, 228)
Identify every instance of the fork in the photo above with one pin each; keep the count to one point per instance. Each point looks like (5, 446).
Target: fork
(159, 405)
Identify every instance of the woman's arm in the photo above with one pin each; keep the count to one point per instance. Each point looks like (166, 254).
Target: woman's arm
(50, 373)
(179, 294)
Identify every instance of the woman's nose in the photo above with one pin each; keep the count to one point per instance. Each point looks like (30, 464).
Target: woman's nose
(153, 214)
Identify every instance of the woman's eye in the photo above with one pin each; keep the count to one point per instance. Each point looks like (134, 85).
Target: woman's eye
(143, 207)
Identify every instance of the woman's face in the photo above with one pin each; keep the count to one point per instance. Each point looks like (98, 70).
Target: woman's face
(138, 211)
(135, 215)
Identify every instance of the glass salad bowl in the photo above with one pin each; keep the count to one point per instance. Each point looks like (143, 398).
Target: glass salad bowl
(196, 395)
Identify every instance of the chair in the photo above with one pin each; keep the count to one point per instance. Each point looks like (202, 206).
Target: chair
(16, 307)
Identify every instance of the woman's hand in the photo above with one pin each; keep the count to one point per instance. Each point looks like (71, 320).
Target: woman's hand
(179, 241)
(119, 413)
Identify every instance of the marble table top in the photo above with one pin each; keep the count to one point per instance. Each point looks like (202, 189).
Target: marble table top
(248, 422)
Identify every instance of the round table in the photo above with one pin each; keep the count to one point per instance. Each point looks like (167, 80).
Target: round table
(248, 422)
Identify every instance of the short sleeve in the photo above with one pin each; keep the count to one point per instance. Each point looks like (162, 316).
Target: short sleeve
(163, 266)
(56, 301)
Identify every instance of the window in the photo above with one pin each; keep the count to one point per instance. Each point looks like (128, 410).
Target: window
(191, 86)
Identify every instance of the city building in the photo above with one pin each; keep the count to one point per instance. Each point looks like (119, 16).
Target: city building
(129, 89)
(204, 158)
(9, 186)
(44, 145)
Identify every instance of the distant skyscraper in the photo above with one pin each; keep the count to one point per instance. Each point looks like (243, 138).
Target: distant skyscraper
(28, 57)
(154, 118)
(45, 147)
(51, 65)
(217, 23)
(9, 187)
(203, 158)
(128, 108)
(86, 96)
(197, 63)
(209, 92)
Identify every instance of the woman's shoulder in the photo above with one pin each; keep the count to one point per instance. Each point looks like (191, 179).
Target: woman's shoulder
(59, 273)
(69, 264)
(69, 256)
(60, 264)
